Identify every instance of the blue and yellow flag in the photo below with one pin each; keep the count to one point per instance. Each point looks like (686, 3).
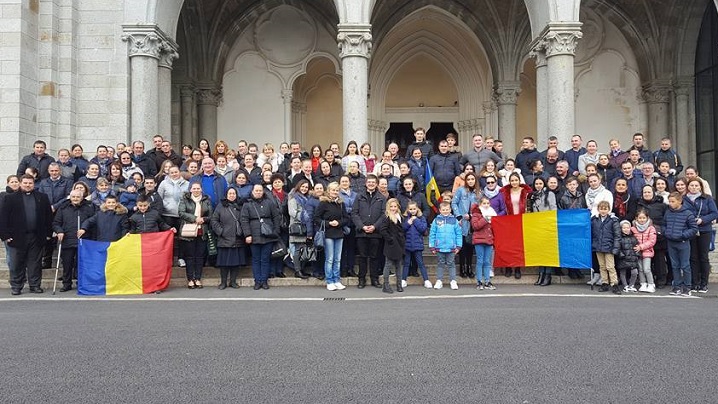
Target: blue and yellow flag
(432, 189)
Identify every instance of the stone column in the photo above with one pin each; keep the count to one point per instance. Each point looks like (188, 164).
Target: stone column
(658, 96)
(145, 44)
(542, 133)
(507, 94)
(559, 41)
(287, 96)
(354, 50)
(187, 105)
(681, 137)
(208, 100)
(164, 105)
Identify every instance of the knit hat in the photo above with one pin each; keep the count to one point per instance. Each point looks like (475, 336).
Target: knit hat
(626, 222)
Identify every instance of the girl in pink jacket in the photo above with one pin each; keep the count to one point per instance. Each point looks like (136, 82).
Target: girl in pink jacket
(645, 233)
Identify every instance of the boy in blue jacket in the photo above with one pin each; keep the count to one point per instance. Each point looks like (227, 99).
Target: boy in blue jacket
(605, 241)
(680, 228)
(445, 239)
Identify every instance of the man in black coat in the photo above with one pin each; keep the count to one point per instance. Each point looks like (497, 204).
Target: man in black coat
(38, 160)
(166, 153)
(26, 225)
(66, 224)
(367, 213)
(144, 162)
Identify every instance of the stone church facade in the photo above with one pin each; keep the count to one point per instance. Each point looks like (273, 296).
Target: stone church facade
(107, 71)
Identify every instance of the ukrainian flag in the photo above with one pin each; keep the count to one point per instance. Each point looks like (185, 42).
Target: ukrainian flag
(133, 265)
(432, 189)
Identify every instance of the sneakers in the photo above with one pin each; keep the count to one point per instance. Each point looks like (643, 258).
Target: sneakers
(687, 292)
(490, 286)
(703, 289)
(454, 285)
(403, 283)
(181, 263)
(629, 288)
(480, 286)
(643, 288)
(675, 292)
(438, 285)
(339, 286)
(331, 287)
(651, 288)
(427, 284)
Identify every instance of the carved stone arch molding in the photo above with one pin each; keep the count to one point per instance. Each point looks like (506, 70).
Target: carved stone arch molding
(594, 34)
(285, 28)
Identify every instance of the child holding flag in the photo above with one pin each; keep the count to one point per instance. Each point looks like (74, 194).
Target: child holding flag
(445, 239)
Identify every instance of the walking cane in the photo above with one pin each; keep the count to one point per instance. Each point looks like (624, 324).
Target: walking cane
(591, 277)
(57, 268)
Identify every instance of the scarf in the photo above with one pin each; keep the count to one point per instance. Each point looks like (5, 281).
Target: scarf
(619, 202)
(489, 193)
(487, 213)
(642, 228)
(693, 197)
(591, 194)
(197, 205)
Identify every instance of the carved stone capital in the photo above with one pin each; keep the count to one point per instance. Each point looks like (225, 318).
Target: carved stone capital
(287, 96)
(488, 107)
(168, 54)
(209, 96)
(683, 87)
(187, 91)
(507, 93)
(561, 38)
(657, 93)
(299, 107)
(143, 44)
(354, 40)
(538, 52)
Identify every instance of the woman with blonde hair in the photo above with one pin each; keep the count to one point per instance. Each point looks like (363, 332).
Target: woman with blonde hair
(269, 156)
(331, 216)
(392, 232)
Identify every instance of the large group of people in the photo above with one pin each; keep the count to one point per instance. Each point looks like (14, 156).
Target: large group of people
(332, 211)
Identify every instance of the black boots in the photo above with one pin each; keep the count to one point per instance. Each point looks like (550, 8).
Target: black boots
(398, 284)
(470, 270)
(546, 280)
(604, 288)
(233, 272)
(539, 281)
(375, 283)
(223, 273)
(517, 273)
(300, 274)
(615, 289)
(362, 283)
(462, 271)
(508, 272)
(387, 288)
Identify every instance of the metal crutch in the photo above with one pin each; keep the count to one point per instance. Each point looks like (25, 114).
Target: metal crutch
(57, 267)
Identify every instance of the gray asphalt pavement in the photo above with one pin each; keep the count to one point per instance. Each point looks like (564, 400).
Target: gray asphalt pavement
(514, 349)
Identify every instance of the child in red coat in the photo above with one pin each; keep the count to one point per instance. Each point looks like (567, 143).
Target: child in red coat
(483, 240)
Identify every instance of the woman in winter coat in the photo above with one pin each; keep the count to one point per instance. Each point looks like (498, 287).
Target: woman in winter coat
(242, 185)
(596, 193)
(461, 203)
(516, 198)
(704, 209)
(491, 191)
(542, 200)
(261, 221)
(311, 206)
(414, 225)
(410, 192)
(171, 191)
(195, 208)
(392, 232)
(349, 246)
(297, 211)
(655, 207)
(231, 252)
(624, 205)
(116, 179)
(331, 215)
(325, 175)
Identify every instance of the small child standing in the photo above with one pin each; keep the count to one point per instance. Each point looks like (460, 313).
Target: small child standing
(605, 238)
(147, 220)
(445, 239)
(679, 229)
(628, 257)
(645, 233)
(414, 227)
(483, 240)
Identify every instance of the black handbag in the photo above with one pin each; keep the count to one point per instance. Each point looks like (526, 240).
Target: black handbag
(319, 236)
(307, 253)
(297, 229)
(264, 228)
(279, 250)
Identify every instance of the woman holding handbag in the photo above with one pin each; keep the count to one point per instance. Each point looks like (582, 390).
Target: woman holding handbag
(195, 210)
(231, 252)
(260, 219)
(297, 229)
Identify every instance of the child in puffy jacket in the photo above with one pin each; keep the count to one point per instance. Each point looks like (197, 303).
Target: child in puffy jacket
(646, 235)
(445, 240)
(605, 236)
(628, 257)
(483, 240)
(414, 225)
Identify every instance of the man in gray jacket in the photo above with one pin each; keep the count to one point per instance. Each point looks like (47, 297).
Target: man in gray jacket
(479, 156)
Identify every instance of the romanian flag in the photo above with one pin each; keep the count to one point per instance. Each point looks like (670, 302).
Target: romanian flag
(133, 265)
(553, 239)
(432, 189)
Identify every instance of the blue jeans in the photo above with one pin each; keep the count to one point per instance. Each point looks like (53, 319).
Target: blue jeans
(680, 254)
(484, 259)
(419, 259)
(261, 255)
(8, 259)
(446, 260)
(333, 259)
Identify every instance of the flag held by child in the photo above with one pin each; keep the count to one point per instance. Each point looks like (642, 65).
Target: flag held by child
(135, 264)
(554, 239)
(433, 196)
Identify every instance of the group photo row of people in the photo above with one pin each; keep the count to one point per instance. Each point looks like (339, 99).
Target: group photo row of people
(332, 211)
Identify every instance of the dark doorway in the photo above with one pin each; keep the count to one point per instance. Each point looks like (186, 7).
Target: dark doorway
(438, 131)
(401, 133)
